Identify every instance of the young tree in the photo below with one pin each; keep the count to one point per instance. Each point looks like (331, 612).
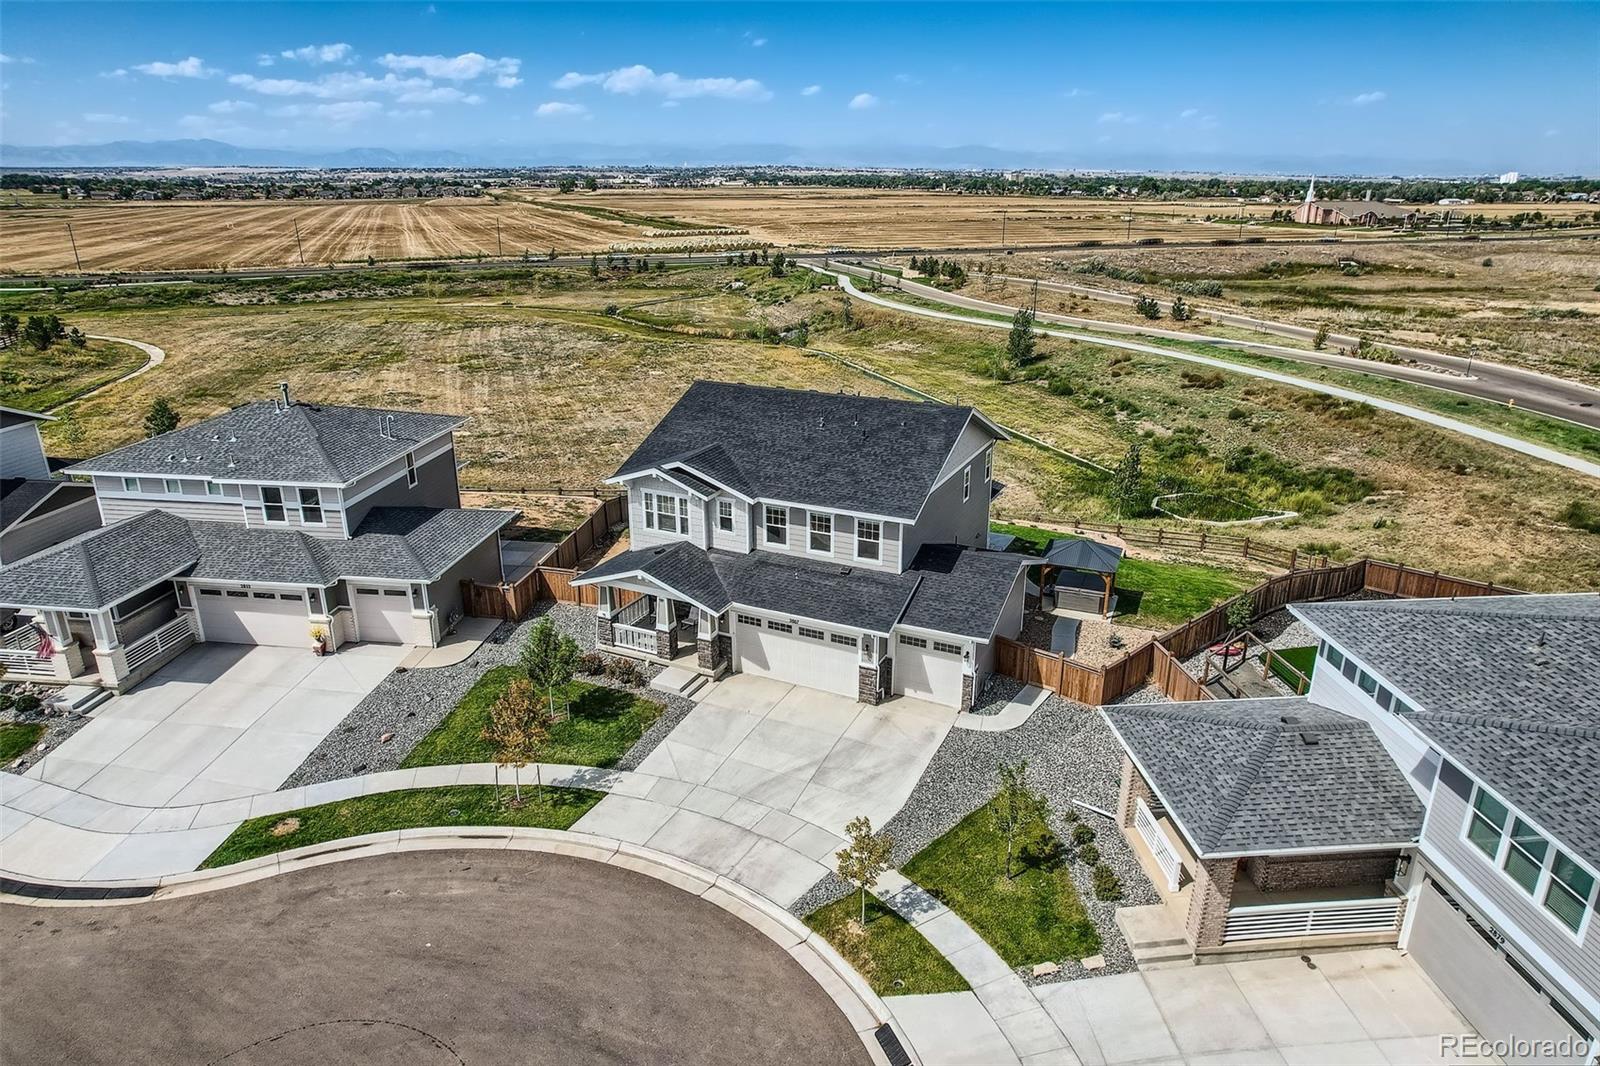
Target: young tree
(519, 728)
(76, 338)
(865, 858)
(549, 658)
(1016, 807)
(1019, 345)
(589, 184)
(1127, 481)
(1321, 338)
(594, 266)
(160, 418)
(1239, 612)
(777, 265)
(566, 185)
(1180, 310)
(1148, 307)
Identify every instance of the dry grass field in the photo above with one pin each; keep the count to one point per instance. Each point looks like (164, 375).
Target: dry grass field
(114, 235)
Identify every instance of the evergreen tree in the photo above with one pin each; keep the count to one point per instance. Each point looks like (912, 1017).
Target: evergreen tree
(1020, 344)
(161, 418)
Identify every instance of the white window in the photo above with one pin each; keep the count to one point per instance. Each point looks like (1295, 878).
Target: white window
(749, 620)
(411, 470)
(272, 503)
(821, 533)
(912, 642)
(777, 523)
(666, 514)
(1487, 823)
(130, 484)
(1334, 656)
(966, 484)
(1571, 892)
(725, 515)
(812, 634)
(1525, 855)
(311, 507)
(869, 536)
(840, 638)
(947, 648)
(174, 487)
(213, 489)
(779, 627)
(988, 466)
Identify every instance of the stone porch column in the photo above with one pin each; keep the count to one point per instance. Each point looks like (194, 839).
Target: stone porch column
(1208, 906)
(666, 628)
(1134, 787)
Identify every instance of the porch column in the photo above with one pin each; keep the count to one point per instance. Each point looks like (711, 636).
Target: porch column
(105, 630)
(605, 601)
(604, 636)
(1105, 601)
(109, 658)
(666, 629)
(55, 623)
(869, 685)
(1208, 906)
(710, 651)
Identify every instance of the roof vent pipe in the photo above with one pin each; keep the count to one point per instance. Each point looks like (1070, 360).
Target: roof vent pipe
(283, 393)
(388, 426)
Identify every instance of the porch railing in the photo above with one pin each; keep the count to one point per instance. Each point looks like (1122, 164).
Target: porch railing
(170, 635)
(634, 638)
(1274, 921)
(627, 616)
(1161, 848)
(24, 663)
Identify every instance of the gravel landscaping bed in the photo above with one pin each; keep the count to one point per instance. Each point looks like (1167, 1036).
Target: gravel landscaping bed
(1072, 758)
(410, 704)
(57, 728)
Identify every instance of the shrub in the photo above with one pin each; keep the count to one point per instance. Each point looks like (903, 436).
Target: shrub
(625, 672)
(1488, 262)
(1082, 834)
(1237, 414)
(1148, 307)
(26, 703)
(1041, 848)
(1089, 854)
(1059, 385)
(1580, 514)
(1201, 379)
(1308, 502)
(1107, 887)
(592, 663)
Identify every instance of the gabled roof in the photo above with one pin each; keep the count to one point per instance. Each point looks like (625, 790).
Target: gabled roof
(1077, 553)
(1506, 686)
(103, 566)
(34, 415)
(1244, 777)
(961, 591)
(20, 496)
(317, 444)
(849, 453)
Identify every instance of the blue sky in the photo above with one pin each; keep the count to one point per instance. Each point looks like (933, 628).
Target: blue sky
(1337, 87)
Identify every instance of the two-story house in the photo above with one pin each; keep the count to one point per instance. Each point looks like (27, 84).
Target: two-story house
(1436, 789)
(259, 526)
(37, 508)
(828, 540)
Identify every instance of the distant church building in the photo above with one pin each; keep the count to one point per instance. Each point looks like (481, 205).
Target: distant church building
(1314, 212)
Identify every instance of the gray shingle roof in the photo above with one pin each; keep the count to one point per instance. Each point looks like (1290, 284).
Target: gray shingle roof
(961, 591)
(104, 566)
(308, 443)
(19, 496)
(1506, 686)
(850, 453)
(1238, 779)
(1076, 553)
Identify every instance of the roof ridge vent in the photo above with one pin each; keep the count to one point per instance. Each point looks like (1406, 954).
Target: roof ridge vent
(1288, 719)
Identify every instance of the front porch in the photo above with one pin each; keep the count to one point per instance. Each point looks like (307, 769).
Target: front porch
(657, 628)
(115, 647)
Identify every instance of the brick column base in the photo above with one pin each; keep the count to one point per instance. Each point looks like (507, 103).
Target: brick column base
(1208, 906)
(1134, 787)
(666, 643)
(867, 684)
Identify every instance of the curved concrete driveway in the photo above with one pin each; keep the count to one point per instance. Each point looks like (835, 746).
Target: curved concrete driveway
(1516, 444)
(422, 958)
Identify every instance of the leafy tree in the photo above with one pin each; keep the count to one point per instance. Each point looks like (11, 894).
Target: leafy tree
(160, 418)
(41, 331)
(1321, 338)
(777, 265)
(865, 858)
(10, 329)
(594, 266)
(1148, 307)
(589, 184)
(566, 185)
(76, 338)
(1180, 310)
(519, 729)
(1019, 345)
(549, 658)
(1127, 481)
(1240, 611)
(1016, 808)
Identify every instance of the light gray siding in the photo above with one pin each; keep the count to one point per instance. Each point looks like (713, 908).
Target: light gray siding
(1009, 626)
(436, 486)
(948, 519)
(21, 450)
(1442, 838)
(736, 540)
(115, 508)
(480, 564)
(51, 527)
(640, 537)
(844, 543)
(332, 527)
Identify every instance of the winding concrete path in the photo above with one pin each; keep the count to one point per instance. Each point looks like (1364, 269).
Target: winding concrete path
(1489, 436)
(154, 357)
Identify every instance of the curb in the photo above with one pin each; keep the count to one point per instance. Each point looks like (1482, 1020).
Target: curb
(862, 1008)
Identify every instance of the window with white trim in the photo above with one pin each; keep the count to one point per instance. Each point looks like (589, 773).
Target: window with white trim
(840, 638)
(1531, 860)
(966, 484)
(779, 627)
(749, 620)
(869, 537)
(666, 514)
(821, 535)
(174, 487)
(1570, 895)
(725, 515)
(776, 521)
(311, 507)
(213, 489)
(1526, 851)
(947, 648)
(988, 465)
(272, 504)
(1334, 656)
(411, 470)
(912, 642)
(130, 484)
(811, 634)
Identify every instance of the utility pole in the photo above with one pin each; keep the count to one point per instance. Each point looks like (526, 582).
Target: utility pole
(297, 243)
(1128, 218)
(1002, 231)
(74, 241)
(1035, 298)
(498, 251)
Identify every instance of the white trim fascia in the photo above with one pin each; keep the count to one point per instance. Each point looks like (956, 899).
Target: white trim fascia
(28, 515)
(141, 589)
(19, 412)
(784, 616)
(84, 468)
(218, 583)
(640, 575)
(938, 633)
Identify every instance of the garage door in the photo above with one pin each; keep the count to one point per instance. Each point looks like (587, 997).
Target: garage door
(928, 669)
(801, 655)
(1476, 977)
(383, 616)
(254, 616)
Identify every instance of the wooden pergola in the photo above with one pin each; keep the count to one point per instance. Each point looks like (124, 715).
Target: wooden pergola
(1095, 562)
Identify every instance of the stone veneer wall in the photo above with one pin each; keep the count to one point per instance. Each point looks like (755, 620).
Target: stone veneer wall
(1134, 787)
(1277, 873)
(1208, 906)
(867, 690)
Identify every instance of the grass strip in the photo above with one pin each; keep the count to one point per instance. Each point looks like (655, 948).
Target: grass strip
(888, 951)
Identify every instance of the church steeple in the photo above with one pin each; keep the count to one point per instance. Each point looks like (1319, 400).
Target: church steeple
(1311, 190)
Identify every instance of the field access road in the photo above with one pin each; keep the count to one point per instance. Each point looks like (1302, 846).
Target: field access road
(430, 958)
(1496, 382)
(1489, 436)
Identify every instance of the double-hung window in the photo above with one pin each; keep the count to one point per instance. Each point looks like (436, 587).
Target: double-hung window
(777, 524)
(411, 470)
(666, 514)
(821, 536)
(988, 466)
(1571, 891)
(311, 507)
(1487, 824)
(966, 484)
(869, 539)
(1525, 855)
(725, 515)
(1545, 872)
(272, 503)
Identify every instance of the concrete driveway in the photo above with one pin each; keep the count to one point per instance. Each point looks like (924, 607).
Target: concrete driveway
(219, 722)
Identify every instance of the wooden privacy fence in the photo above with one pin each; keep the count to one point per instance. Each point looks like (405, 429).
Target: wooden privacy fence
(552, 578)
(1076, 681)
(1204, 542)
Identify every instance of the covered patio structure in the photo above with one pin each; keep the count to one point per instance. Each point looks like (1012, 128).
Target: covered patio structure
(1081, 574)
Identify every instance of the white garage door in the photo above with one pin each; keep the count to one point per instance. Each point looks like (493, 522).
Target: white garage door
(383, 616)
(254, 616)
(801, 655)
(928, 669)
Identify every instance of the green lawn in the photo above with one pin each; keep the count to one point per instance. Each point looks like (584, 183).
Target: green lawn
(37, 381)
(1302, 659)
(605, 723)
(887, 951)
(1032, 918)
(18, 737)
(1153, 594)
(459, 805)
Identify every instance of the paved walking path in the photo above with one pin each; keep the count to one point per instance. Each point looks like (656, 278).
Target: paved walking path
(154, 358)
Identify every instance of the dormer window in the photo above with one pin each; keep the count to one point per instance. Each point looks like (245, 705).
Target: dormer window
(272, 503)
(777, 523)
(311, 507)
(666, 514)
(869, 538)
(411, 470)
(725, 515)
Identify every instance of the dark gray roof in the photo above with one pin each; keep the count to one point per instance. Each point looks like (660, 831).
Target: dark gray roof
(103, 566)
(1506, 686)
(1076, 553)
(308, 443)
(961, 591)
(818, 449)
(1001, 542)
(19, 496)
(1240, 779)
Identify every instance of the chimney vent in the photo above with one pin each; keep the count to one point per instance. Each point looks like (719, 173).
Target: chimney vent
(283, 393)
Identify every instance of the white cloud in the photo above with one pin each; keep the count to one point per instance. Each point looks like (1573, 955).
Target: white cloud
(464, 67)
(341, 113)
(507, 81)
(192, 67)
(1376, 96)
(1189, 112)
(811, 90)
(631, 81)
(1073, 94)
(1117, 118)
(439, 94)
(758, 42)
(863, 101)
(105, 119)
(339, 86)
(230, 107)
(266, 59)
(559, 109)
(318, 53)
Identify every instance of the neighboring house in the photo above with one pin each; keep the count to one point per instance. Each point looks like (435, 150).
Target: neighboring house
(37, 509)
(254, 527)
(829, 540)
(1436, 789)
